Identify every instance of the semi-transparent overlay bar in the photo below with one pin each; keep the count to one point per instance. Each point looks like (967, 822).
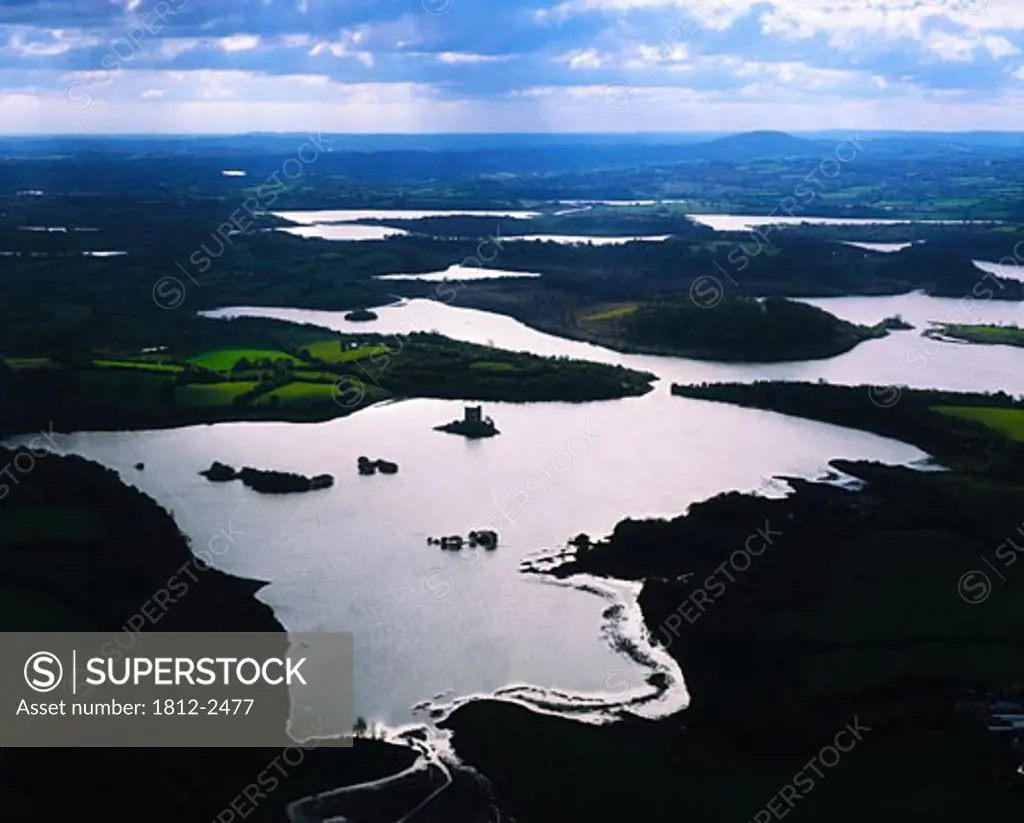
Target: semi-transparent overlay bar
(169, 689)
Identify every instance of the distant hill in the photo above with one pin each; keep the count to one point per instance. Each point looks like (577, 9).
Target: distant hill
(758, 145)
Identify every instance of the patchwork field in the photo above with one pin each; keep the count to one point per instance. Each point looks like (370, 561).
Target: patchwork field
(225, 359)
(1007, 421)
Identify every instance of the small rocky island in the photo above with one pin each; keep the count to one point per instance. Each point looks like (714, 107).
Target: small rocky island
(361, 315)
(367, 466)
(473, 425)
(267, 482)
(895, 323)
(484, 538)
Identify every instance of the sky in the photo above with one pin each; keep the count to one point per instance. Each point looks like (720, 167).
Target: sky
(423, 66)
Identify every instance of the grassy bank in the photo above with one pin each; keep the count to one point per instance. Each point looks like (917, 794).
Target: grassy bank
(272, 370)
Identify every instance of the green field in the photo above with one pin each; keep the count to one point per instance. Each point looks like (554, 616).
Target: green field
(330, 351)
(315, 376)
(299, 394)
(1007, 421)
(138, 365)
(308, 394)
(492, 365)
(993, 335)
(225, 359)
(211, 394)
(611, 314)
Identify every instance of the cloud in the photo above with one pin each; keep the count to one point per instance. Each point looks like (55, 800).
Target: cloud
(457, 58)
(583, 59)
(964, 48)
(491, 65)
(239, 42)
(26, 42)
(174, 48)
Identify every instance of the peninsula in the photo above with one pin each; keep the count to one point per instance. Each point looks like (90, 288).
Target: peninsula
(986, 335)
(711, 326)
(214, 371)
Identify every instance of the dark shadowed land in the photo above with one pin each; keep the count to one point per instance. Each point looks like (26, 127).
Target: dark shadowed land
(792, 619)
(81, 551)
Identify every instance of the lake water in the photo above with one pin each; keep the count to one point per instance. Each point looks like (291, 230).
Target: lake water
(901, 358)
(571, 239)
(1011, 271)
(883, 247)
(352, 231)
(457, 272)
(741, 222)
(434, 626)
(321, 216)
(62, 254)
(617, 202)
(437, 626)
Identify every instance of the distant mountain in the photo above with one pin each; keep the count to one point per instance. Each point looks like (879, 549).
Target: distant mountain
(758, 145)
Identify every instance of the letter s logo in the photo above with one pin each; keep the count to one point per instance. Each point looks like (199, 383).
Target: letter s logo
(39, 672)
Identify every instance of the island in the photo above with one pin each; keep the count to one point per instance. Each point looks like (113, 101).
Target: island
(487, 538)
(219, 472)
(473, 425)
(268, 482)
(360, 315)
(366, 466)
(481, 538)
(728, 329)
(896, 323)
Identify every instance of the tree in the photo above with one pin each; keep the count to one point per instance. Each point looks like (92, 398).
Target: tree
(360, 727)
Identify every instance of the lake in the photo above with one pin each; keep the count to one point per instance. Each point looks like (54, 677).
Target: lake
(883, 247)
(62, 254)
(741, 222)
(572, 239)
(339, 224)
(1011, 271)
(354, 231)
(432, 626)
(321, 216)
(901, 358)
(458, 272)
(355, 556)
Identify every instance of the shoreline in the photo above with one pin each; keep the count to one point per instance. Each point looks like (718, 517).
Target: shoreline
(97, 582)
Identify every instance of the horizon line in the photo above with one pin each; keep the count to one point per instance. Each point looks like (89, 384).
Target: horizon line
(653, 133)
